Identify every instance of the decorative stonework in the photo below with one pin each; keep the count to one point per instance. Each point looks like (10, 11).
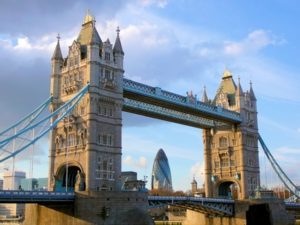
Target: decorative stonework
(93, 130)
(231, 155)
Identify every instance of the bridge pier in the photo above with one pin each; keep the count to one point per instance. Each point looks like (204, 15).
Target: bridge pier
(93, 208)
(254, 212)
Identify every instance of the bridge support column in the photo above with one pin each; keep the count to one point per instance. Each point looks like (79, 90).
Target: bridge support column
(207, 163)
(93, 208)
(255, 212)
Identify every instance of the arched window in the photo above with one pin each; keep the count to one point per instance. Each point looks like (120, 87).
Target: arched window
(223, 142)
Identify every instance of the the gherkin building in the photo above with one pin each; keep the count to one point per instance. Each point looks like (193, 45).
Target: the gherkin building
(161, 173)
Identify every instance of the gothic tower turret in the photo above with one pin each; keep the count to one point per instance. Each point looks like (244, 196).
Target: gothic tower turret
(194, 186)
(85, 151)
(118, 51)
(56, 66)
(231, 152)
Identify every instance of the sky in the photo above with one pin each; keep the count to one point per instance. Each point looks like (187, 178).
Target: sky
(180, 46)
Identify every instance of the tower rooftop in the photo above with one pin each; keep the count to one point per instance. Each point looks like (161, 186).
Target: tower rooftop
(88, 18)
(88, 33)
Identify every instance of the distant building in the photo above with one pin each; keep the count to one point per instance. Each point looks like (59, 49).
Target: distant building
(161, 173)
(1, 184)
(131, 183)
(34, 184)
(197, 192)
(12, 181)
(194, 186)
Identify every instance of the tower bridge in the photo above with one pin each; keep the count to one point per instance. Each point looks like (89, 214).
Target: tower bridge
(88, 94)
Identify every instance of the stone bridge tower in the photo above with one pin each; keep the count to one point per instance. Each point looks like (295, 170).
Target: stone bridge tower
(85, 149)
(231, 153)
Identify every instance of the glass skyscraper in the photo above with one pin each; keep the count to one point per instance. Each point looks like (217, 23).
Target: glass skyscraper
(161, 173)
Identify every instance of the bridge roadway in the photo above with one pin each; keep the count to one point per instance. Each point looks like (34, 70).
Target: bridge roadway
(211, 206)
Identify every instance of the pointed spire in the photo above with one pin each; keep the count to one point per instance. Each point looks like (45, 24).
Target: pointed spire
(95, 39)
(252, 95)
(88, 18)
(107, 41)
(226, 74)
(204, 96)
(57, 52)
(194, 180)
(89, 34)
(239, 90)
(118, 46)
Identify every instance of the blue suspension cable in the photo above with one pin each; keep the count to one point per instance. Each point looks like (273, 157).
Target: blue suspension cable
(38, 110)
(71, 104)
(281, 174)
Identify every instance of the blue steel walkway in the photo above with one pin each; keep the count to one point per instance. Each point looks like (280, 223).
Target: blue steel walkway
(36, 197)
(157, 103)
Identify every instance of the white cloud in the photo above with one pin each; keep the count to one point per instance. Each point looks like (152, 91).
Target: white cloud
(158, 3)
(197, 171)
(140, 163)
(254, 41)
(23, 43)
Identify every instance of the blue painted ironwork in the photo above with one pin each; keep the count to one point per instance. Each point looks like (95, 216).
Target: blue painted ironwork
(155, 111)
(54, 118)
(211, 206)
(35, 196)
(23, 123)
(281, 174)
(184, 102)
(30, 117)
(292, 206)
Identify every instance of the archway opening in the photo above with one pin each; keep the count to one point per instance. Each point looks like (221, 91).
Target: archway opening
(258, 214)
(66, 178)
(228, 189)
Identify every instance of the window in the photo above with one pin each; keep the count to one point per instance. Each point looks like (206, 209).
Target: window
(105, 176)
(109, 140)
(104, 165)
(104, 187)
(251, 183)
(71, 140)
(250, 141)
(110, 112)
(217, 164)
(232, 163)
(82, 111)
(107, 56)
(98, 174)
(105, 139)
(224, 162)
(233, 142)
(107, 74)
(223, 142)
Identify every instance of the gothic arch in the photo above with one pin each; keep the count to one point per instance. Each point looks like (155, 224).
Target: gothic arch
(229, 188)
(65, 180)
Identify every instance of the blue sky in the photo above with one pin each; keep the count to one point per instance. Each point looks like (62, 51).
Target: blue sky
(178, 45)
